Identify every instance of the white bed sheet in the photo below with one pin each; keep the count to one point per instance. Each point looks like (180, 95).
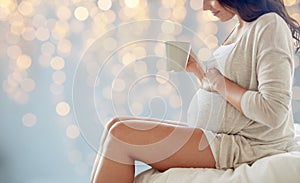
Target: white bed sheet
(276, 169)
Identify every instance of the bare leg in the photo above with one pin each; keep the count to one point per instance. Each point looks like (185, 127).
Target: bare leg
(162, 147)
(119, 119)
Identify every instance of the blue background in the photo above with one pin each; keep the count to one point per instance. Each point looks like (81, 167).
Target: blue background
(44, 45)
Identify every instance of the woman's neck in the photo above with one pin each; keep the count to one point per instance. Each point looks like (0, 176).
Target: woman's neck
(238, 31)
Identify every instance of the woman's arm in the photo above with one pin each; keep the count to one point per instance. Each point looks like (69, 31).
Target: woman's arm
(232, 92)
(194, 66)
(269, 103)
(213, 80)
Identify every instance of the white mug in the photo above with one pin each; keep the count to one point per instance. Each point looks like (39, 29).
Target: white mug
(177, 54)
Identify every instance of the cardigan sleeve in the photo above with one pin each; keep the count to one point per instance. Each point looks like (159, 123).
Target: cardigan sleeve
(270, 104)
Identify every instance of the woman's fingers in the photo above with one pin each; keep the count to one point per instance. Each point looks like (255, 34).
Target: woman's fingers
(192, 62)
(210, 79)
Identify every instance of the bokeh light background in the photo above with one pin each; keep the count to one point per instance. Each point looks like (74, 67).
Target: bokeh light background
(43, 46)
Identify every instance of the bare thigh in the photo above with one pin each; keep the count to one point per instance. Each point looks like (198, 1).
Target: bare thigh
(113, 121)
(162, 146)
(142, 119)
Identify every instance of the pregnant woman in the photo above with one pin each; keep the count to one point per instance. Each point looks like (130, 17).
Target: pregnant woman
(241, 113)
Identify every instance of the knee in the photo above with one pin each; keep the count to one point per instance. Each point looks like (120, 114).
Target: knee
(117, 129)
(116, 146)
(111, 123)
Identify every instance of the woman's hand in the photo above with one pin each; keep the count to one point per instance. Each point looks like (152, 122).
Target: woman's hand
(232, 92)
(213, 80)
(194, 66)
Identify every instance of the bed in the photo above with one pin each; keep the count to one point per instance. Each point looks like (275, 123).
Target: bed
(279, 168)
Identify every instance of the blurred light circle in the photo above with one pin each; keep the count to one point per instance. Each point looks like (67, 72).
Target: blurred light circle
(63, 13)
(91, 158)
(296, 16)
(168, 3)
(165, 89)
(118, 85)
(4, 13)
(107, 93)
(12, 38)
(29, 120)
(81, 13)
(204, 54)
(104, 4)
(162, 76)
(140, 67)
(18, 76)
(60, 30)
(128, 58)
(132, 3)
(62, 108)
(159, 50)
(24, 61)
(161, 64)
(75, 156)
(28, 33)
(164, 13)
(196, 5)
(136, 108)
(167, 27)
(64, 46)
(8, 88)
(208, 16)
(28, 85)
(72, 131)
(211, 41)
(56, 89)
(210, 28)
(38, 20)
(110, 16)
(175, 101)
(14, 51)
(110, 44)
(91, 82)
(59, 77)
(42, 34)
(139, 51)
(44, 60)
(48, 48)
(91, 67)
(116, 68)
(289, 2)
(76, 26)
(179, 13)
(57, 63)
(20, 97)
(26, 8)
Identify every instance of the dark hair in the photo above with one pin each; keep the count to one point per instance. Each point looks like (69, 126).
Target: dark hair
(250, 10)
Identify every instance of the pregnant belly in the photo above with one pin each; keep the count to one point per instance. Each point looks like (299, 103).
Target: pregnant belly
(206, 110)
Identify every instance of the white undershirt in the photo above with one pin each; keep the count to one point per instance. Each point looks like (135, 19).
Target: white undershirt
(206, 108)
